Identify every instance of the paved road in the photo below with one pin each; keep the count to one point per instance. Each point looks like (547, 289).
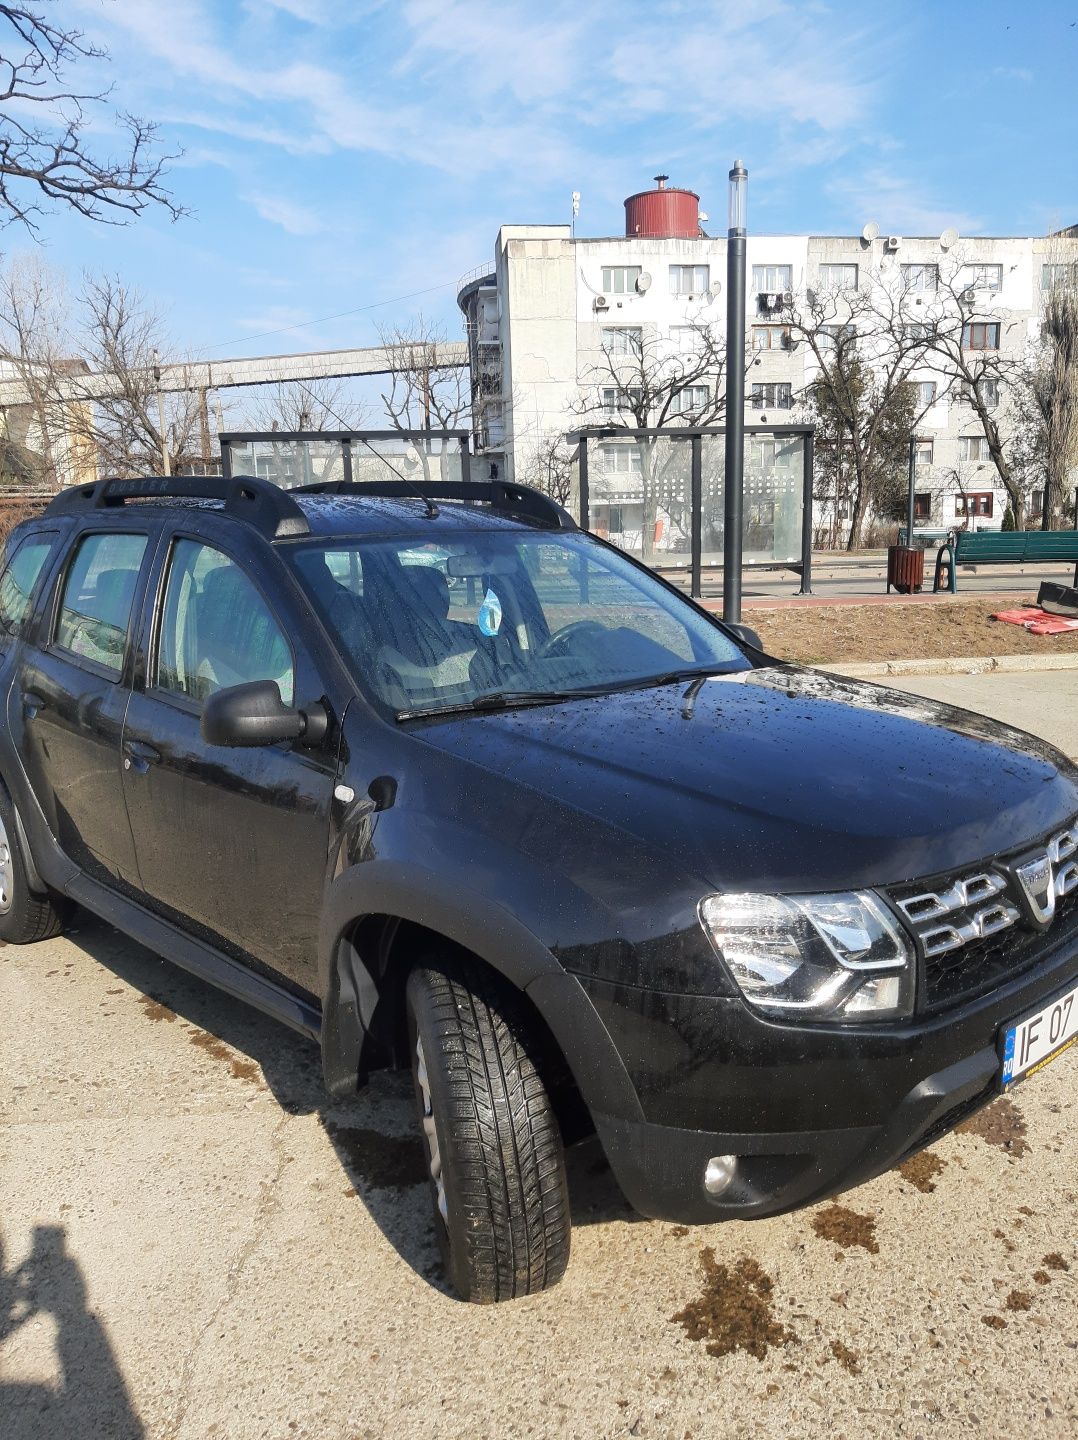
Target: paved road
(1043, 702)
(194, 1244)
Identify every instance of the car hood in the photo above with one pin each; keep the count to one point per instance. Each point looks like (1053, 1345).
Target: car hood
(778, 777)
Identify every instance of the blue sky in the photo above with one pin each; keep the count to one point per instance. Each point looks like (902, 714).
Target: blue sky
(342, 153)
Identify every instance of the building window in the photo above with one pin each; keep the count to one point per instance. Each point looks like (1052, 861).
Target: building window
(689, 400)
(689, 279)
(622, 339)
(686, 339)
(620, 279)
(981, 335)
(973, 449)
(926, 393)
(922, 505)
(979, 504)
(828, 336)
(988, 390)
(924, 278)
(620, 459)
(770, 278)
(1036, 504)
(836, 278)
(616, 400)
(915, 331)
(772, 397)
(924, 452)
(981, 277)
(1056, 276)
(771, 337)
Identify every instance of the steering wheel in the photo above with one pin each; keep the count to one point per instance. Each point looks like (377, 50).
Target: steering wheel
(558, 644)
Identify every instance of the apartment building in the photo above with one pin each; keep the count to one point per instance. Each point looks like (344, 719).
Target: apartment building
(545, 320)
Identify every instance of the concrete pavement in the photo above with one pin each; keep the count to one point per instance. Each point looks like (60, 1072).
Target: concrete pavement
(196, 1243)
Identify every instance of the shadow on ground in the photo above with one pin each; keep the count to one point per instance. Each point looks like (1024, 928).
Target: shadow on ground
(375, 1134)
(90, 1399)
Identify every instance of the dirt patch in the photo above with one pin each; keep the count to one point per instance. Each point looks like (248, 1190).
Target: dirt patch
(736, 1310)
(155, 1009)
(1000, 1123)
(1042, 1277)
(934, 630)
(384, 1162)
(679, 1231)
(1055, 1261)
(847, 1358)
(846, 1228)
(241, 1069)
(922, 1171)
(994, 1322)
(1019, 1300)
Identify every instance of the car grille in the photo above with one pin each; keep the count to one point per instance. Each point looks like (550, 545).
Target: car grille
(973, 925)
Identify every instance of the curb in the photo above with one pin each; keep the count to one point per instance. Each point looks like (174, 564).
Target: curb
(956, 665)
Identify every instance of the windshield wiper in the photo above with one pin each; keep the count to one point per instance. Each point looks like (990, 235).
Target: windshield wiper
(504, 700)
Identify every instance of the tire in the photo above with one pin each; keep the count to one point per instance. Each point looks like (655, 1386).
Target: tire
(24, 916)
(497, 1170)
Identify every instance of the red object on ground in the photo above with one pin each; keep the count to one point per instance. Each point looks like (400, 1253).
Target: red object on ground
(1036, 621)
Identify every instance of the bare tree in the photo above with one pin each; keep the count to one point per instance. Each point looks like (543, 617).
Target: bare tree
(45, 158)
(426, 390)
(1046, 398)
(133, 427)
(862, 396)
(552, 469)
(32, 350)
(643, 382)
(304, 405)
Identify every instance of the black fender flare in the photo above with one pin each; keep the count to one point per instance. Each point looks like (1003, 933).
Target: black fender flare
(477, 923)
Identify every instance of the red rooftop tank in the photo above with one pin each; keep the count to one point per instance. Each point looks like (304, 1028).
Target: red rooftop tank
(663, 213)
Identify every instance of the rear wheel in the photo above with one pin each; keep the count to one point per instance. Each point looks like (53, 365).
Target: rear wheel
(24, 916)
(497, 1171)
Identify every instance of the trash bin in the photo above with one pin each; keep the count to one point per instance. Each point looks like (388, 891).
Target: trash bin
(905, 568)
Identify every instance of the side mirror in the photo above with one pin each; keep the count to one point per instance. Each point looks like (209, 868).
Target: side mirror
(745, 633)
(254, 714)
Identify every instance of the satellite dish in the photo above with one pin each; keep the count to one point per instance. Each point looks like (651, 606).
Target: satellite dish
(643, 282)
(870, 232)
(704, 217)
(948, 238)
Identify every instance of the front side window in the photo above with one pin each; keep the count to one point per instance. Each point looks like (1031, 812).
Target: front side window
(500, 613)
(99, 590)
(620, 279)
(216, 629)
(19, 579)
(770, 279)
(837, 278)
(689, 279)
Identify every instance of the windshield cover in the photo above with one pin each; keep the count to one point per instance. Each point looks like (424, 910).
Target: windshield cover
(429, 625)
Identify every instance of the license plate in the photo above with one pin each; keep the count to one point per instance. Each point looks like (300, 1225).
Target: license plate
(1036, 1041)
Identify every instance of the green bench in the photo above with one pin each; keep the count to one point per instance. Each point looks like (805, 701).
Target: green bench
(1005, 547)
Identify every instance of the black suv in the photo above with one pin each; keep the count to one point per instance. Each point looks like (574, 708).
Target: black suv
(438, 779)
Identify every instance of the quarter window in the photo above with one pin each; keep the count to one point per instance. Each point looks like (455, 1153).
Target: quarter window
(216, 630)
(95, 610)
(19, 580)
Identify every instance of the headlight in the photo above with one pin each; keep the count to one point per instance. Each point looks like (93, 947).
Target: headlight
(825, 957)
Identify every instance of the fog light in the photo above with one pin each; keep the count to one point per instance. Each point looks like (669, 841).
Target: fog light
(719, 1172)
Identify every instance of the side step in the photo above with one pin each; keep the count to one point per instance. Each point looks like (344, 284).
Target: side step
(200, 959)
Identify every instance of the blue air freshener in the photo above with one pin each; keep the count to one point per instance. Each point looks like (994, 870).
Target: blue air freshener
(490, 614)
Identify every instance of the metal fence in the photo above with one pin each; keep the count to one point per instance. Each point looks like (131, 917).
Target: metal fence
(660, 494)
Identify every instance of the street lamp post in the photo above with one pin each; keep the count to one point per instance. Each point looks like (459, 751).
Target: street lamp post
(735, 396)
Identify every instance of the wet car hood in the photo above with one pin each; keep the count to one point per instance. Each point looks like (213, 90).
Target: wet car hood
(779, 777)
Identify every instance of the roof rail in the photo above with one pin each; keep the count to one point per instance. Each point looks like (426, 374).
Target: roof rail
(246, 497)
(520, 500)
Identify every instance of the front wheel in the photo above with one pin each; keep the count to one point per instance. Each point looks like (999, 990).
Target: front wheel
(497, 1171)
(24, 915)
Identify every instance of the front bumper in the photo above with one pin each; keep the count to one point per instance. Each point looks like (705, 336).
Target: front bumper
(809, 1111)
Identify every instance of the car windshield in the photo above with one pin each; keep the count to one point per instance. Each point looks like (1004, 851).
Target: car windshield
(502, 617)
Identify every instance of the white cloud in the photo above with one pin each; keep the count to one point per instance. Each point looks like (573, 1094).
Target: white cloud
(899, 205)
(279, 210)
(1013, 72)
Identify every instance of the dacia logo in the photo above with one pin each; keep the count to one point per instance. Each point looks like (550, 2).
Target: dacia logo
(1046, 876)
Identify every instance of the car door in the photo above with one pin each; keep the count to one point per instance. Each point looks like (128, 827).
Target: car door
(231, 841)
(71, 691)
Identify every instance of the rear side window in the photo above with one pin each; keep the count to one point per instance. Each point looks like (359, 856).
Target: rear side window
(216, 629)
(95, 609)
(20, 577)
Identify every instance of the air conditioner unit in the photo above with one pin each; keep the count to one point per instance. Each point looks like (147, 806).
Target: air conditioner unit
(602, 303)
(892, 242)
(788, 297)
(968, 297)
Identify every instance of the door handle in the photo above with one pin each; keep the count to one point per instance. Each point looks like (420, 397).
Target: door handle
(139, 757)
(32, 702)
